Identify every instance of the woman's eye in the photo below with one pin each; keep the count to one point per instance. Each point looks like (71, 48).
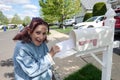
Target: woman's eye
(38, 32)
(44, 33)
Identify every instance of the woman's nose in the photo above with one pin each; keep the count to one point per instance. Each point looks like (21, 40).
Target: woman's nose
(41, 36)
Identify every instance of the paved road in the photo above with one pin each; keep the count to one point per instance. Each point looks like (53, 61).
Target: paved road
(6, 52)
(63, 66)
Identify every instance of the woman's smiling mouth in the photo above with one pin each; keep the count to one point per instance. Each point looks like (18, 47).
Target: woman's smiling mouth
(38, 40)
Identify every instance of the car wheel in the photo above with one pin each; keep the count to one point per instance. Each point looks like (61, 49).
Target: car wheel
(90, 26)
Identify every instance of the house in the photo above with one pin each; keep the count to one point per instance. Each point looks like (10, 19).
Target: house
(87, 6)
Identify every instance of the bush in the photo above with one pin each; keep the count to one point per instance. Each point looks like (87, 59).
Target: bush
(99, 9)
(87, 16)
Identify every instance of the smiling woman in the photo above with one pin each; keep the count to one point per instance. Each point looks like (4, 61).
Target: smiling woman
(32, 59)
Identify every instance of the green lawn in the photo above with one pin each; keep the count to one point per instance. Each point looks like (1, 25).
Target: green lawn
(65, 31)
(88, 72)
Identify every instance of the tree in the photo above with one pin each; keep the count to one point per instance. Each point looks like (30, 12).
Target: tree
(3, 18)
(16, 20)
(50, 9)
(26, 21)
(59, 10)
(87, 16)
(99, 9)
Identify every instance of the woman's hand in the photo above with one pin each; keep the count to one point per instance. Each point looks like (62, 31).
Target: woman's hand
(54, 50)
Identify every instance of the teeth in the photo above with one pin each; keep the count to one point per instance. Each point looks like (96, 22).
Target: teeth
(38, 39)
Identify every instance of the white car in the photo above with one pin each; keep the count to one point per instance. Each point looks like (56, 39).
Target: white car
(96, 21)
(69, 22)
(1, 26)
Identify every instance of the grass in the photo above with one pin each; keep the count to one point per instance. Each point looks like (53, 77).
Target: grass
(65, 31)
(88, 72)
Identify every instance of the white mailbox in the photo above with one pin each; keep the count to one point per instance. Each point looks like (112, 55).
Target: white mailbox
(91, 38)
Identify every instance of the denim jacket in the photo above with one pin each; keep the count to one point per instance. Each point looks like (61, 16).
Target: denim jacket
(32, 62)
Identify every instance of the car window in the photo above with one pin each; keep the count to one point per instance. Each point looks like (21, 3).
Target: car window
(91, 19)
(101, 18)
(118, 14)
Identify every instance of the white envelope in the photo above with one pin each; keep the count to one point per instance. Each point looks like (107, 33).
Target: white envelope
(66, 48)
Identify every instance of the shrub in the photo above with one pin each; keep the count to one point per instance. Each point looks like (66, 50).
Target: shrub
(87, 16)
(99, 9)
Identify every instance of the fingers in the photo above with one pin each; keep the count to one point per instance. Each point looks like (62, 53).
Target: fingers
(54, 50)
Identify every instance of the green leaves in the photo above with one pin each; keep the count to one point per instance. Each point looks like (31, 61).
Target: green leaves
(16, 20)
(59, 10)
(99, 9)
(3, 18)
(26, 21)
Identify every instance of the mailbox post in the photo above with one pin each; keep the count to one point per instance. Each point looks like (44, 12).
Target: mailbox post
(107, 55)
(93, 40)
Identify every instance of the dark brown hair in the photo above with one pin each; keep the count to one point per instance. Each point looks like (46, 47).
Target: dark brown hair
(24, 36)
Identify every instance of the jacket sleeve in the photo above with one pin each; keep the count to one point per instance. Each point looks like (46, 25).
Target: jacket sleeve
(31, 66)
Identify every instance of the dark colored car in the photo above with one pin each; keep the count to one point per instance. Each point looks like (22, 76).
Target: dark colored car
(117, 23)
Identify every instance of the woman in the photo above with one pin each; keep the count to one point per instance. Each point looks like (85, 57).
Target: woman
(32, 59)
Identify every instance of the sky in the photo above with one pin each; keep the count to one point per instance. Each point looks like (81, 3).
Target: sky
(20, 7)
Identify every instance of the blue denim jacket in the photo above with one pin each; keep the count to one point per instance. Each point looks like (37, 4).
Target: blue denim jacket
(31, 62)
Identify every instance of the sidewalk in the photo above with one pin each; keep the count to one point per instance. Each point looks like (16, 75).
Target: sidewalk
(70, 64)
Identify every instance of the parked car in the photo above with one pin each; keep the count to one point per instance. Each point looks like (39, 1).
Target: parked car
(11, 26)
(117, 23)
(96, 21)
(69, 22)
(1, 26)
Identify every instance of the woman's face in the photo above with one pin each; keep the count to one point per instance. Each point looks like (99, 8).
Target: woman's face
(39, 34)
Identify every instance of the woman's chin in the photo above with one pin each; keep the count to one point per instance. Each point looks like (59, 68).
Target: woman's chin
(38, 44)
